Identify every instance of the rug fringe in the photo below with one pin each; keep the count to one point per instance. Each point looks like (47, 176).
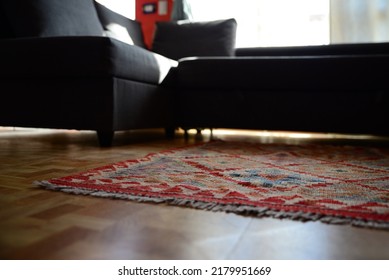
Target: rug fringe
(215, 207)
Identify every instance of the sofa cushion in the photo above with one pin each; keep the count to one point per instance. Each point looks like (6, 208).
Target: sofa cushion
(45, 18)
(184, 39)
(284, 73)
(120, 27)
(81, 57)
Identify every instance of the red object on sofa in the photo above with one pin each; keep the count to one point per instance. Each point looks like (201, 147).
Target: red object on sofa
(148, 12)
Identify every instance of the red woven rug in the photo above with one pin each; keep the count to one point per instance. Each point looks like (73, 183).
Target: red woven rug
(333, 184)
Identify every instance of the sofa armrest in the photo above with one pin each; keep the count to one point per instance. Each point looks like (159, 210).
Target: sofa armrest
(81, 56)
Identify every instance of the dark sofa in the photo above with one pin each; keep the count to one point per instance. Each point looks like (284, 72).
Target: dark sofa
(70, 64)
(61, 67)
(339, 88)
(335, 88)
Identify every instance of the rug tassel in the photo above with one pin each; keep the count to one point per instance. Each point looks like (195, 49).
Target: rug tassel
(215, 207)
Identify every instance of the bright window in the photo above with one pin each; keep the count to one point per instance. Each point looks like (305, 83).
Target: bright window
(271, 22)
(123, 7)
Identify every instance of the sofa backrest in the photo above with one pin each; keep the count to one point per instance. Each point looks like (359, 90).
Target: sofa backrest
(52, 18)
(48, 18)
(187, 38)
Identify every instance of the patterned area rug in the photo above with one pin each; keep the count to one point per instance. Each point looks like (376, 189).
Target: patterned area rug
(332, 184)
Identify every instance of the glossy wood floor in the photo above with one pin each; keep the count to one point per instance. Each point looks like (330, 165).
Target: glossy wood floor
(42, 224)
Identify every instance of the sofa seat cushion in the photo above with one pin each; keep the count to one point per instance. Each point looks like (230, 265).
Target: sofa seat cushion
(81, 57)
(353, 72)
(43, 18)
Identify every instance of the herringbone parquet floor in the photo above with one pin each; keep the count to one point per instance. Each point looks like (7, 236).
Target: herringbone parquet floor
(42, 224)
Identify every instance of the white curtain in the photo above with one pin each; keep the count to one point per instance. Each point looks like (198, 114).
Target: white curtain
(181, 10)
(355, 21)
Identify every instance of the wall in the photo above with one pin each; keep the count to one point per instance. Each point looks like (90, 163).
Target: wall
(157, 10)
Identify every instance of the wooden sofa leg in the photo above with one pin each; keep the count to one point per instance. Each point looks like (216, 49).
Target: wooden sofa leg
(105, 138)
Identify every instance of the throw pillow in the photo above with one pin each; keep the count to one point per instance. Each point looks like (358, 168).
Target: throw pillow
(46, 18)
(184, 38)
(120, 27)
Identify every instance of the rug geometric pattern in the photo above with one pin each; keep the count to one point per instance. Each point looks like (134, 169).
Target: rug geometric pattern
(333, 184)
